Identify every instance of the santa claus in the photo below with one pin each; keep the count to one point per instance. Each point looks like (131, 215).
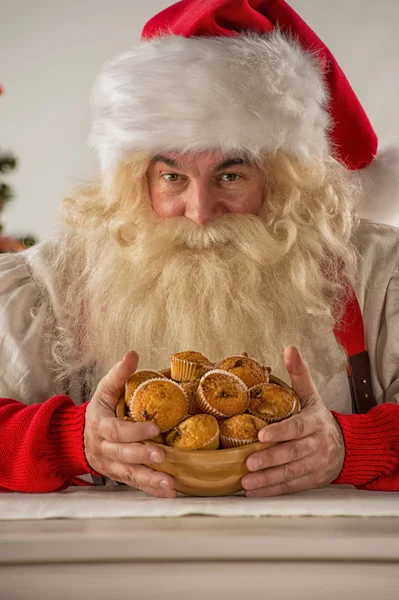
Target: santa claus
(234, 161)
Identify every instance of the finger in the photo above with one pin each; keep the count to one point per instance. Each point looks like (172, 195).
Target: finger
(135, 453)
(112, 385)
(299, 426)
(289, 487)
(277, 475)
(301, 380)
(113, 429)
(140, 477)
(281, 454)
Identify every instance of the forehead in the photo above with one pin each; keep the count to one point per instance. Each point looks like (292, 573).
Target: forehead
(212, 159)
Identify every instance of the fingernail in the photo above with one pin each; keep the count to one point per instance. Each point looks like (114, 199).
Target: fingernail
(152, 431)
(249, 483)
(265, 436)
(155, 457)
(254, 464)
(164, 485)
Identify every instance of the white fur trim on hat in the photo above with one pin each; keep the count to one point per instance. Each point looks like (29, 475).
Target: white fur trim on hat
(251, 93)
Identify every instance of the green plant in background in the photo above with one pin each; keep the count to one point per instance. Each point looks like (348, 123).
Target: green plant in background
(8, 162)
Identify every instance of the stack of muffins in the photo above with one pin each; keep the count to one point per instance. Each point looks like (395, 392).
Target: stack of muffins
(205, 406)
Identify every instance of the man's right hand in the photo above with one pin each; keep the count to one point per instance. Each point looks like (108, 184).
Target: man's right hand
(113, 447)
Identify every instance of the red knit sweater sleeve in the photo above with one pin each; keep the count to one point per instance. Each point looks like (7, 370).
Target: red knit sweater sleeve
(41, 446)
(372, 449)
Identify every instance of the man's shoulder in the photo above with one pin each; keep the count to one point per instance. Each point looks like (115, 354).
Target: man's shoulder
(377, 241)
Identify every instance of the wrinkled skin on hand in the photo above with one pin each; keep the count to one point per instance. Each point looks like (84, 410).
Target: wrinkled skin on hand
(113, 447)
(310, 450)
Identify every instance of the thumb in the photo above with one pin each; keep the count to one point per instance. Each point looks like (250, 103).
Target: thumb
(301, 380)
(112, 385)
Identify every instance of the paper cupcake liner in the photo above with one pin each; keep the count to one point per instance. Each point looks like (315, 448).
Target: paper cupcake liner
(190, 387)
(203, 403)
(228, 442)
(184, 370)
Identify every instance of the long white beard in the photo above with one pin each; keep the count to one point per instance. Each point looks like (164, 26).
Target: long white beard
(220, 290)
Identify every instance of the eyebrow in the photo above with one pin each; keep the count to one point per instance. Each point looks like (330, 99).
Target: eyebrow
(168, 161)
(232, 162)
(226, 164)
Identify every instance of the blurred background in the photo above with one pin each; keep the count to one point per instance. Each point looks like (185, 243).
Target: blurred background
(51, 51)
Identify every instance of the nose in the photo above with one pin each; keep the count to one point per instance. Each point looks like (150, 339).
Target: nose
(201, 205)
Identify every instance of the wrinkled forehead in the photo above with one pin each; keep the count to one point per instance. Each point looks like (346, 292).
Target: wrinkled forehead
(212, 158)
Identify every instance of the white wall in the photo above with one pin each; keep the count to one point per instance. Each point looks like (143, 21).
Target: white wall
(51, 50)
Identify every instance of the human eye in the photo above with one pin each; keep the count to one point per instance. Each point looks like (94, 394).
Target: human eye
(171, 177)
(230, 177)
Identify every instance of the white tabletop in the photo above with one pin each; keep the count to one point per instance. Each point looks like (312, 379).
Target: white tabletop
(201, 557)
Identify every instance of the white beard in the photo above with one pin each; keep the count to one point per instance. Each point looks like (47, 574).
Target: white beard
(220, 290)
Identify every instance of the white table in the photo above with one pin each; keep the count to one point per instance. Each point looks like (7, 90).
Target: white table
(200, 558)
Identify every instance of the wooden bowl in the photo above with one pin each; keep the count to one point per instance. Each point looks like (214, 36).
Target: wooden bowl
(207, 472)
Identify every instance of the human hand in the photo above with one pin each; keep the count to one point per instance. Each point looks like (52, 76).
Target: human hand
(113, 447)
(310, 451)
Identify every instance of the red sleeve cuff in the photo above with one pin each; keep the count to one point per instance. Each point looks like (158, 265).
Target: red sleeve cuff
(66, 436)
(42, 445)
(371, 445)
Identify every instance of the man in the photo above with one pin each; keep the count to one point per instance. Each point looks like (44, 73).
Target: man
(224, 220)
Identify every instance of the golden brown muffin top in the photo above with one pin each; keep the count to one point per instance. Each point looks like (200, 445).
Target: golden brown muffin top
(247, 369)
(193, 433)
(242, 427)
(135, 380)
(191, 356)
(224, 392)
(271, 402)
(161, 401)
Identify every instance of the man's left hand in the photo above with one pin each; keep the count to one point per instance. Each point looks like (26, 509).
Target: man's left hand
(309, 451)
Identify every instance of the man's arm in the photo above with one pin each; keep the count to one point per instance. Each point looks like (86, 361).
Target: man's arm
(371, 449)
(41, 446)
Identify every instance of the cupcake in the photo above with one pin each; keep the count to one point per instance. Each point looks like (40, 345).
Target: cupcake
(161, 401)
(199, 432)
(221, 394)
(272, 402)
(190, 387)
(240, 430)
(186, 366)
(247, 369)
(133, 383)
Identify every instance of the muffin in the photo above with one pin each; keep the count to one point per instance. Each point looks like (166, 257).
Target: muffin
(272, 402)
(199, 432)
(133, 383)
(161, 401)
(186, 366)
(190, 387)
(240, 430)
(247, 369)
(221, 394)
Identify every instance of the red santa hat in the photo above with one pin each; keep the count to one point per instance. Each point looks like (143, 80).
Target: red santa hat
(238, 75)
